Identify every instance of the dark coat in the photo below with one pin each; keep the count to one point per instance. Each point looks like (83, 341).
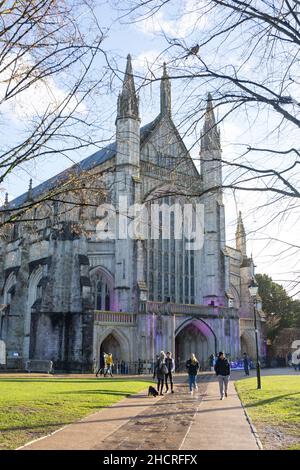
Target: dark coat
(160, 369)
(246, 362)
(102, 361)
(222, 367)
(192, 367)
(170, 364)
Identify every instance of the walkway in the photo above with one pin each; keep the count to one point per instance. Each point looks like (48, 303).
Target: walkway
(172, 422)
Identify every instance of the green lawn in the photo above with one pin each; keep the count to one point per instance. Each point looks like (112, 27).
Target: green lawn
(33, 407)
(275, 409)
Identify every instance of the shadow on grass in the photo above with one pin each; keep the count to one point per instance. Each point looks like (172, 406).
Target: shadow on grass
(45, 426)
(270, 400)
(95, 392)
(73, 381)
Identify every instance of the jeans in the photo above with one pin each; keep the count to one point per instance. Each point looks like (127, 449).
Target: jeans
(223, 383)
(108, 371)
(192, 382)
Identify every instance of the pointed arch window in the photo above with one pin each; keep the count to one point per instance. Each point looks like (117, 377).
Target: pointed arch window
(170, 267)
(103, 294)
(99, 295)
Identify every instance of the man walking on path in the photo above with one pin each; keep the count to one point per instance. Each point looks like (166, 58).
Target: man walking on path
(246, 364)
(101, 369)
(222, 369)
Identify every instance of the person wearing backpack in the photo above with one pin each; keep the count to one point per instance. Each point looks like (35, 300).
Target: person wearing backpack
(160, 370)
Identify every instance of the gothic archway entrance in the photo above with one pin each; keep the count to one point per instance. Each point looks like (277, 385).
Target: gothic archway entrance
(248, 344)
(111, 345)
(195, 337)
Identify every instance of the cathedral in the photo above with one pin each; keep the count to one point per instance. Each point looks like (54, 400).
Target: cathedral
(68, 295)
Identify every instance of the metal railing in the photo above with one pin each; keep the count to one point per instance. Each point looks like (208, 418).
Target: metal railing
(132, 368)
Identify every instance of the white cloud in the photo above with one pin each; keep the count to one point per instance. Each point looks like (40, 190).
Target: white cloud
(187, 19)
(42, 96)
(149, 60)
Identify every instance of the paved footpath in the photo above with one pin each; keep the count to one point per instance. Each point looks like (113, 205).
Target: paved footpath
(172, 422)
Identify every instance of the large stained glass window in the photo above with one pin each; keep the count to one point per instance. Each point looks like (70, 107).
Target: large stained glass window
(169, 265)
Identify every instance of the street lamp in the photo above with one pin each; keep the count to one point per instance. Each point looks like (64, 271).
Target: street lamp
(253, 289)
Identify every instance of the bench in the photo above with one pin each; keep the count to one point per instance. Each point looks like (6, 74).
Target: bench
(37, 365)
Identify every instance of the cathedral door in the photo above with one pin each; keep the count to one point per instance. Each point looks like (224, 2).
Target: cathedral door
(191, 340)
(112, 345)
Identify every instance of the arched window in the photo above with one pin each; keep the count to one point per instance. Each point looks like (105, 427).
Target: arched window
(170, 266)
(103, 292)
(99, 296)
(107, 298)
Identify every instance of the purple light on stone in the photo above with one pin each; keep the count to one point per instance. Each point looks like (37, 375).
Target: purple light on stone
(205, 330)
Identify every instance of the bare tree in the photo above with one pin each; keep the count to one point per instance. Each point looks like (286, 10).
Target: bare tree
(49, 50)
(246, 53)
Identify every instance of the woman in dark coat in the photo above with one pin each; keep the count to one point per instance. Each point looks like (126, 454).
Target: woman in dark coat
(160, 370)
(192, 366)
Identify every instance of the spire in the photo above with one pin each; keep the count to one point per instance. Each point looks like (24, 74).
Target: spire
(165, 93)
(29, 192)
(128, 103)
(210, 136)
(6, 201)
(240, 236)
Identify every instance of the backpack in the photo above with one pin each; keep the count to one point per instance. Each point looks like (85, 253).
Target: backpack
(162, 367)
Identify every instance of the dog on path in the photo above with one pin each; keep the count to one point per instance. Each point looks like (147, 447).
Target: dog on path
(152, 392)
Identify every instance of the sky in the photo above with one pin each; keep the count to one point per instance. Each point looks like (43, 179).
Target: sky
(145, 42)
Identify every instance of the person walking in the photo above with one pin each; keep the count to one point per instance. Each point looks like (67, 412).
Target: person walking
(170, 364)
(212, 362)
(246, 364)
(192, 366)
(109, 365)
(160, 371)
(101, 369)
(222, 369)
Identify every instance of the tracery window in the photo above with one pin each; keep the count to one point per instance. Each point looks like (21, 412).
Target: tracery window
(103, 297)
(169, 267)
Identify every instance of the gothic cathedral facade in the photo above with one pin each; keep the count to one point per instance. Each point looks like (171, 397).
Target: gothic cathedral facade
(68, 295)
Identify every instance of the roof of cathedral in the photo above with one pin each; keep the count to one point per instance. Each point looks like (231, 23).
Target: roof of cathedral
(127, 107)
(97, 158)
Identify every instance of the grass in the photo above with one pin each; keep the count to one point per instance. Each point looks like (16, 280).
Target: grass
(33, 407)
(275, 409)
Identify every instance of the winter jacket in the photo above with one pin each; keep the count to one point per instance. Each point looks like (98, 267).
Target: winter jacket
(160, 369)
(246, 362)
(109, 360)
(170, 364)
(192, 367)
(222, 367)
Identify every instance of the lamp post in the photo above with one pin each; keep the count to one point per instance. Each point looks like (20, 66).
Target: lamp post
(253, 289)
